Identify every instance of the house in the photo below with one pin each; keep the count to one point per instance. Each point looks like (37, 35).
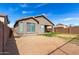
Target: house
(61, 25)
(4, 30)
(33, 25)
(61, 28)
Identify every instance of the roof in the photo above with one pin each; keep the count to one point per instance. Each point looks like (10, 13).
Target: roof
(45, 18)
(6, 17)
(25, 19)
(60, 24)
(33, 19)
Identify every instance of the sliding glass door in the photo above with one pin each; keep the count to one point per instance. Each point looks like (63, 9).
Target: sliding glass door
(30, 27)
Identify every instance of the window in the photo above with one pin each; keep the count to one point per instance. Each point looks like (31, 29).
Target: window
(42, 28)
(30, 27)
(21, 27)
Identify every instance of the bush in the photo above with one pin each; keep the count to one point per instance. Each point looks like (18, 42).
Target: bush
(50, 34)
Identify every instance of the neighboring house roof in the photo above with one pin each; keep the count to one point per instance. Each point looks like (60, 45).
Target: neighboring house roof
(61, 25)
(33, 19)
(6, 17)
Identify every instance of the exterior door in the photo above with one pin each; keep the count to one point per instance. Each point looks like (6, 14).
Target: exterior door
(42, 28)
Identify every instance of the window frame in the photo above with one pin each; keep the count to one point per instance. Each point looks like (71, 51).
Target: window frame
(20, 27)
(31, 28)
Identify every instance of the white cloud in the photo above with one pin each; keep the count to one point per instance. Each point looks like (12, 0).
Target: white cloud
(24, 12)
(24, 5)
(11, 25)
(68, 21)
(13, 9)
(40, 5)
(71, 19)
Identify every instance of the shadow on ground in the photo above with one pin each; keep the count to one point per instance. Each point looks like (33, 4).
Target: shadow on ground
(11, 47)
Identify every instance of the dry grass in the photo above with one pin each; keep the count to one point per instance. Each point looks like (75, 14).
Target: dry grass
(76, 40)
(66, 36)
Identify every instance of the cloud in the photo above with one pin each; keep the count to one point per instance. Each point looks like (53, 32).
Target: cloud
(11, 25)
(68, 21)
(23, 5)
(40, 5)
(25, 12)
(13, 9)
(71, 19)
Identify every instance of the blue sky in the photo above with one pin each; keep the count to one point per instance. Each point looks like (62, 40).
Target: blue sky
(65, 13)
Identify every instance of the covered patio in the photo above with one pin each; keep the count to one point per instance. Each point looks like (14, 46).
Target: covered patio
(49, 28)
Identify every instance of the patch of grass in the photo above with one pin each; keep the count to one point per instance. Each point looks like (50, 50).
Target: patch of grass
(76, 40)
(77, 37)
(50, 34)
(66, 37)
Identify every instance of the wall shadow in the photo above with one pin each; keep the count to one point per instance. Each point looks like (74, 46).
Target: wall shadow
(11, 47)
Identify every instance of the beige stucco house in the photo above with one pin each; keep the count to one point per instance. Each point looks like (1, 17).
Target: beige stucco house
(4, 31)
(33, 25)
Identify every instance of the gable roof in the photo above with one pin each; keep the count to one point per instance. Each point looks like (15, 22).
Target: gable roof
(25, 19)
(45, 18)
(34, 18)
(6, 17)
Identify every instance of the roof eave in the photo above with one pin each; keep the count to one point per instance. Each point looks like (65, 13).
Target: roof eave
(45, 18)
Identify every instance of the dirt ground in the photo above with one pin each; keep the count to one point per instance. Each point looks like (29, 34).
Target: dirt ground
(41, 45)
(36, 45)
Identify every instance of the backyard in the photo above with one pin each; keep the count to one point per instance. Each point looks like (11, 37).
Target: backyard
(52, 44)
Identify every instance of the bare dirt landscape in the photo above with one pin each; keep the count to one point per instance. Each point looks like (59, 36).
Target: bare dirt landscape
(41, 45)
(38, 44)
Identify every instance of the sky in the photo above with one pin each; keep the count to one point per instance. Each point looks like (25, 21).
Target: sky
(65, 13)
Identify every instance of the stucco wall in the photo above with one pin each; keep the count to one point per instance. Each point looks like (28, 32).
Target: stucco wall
(43, 21)
(69, 30)
(2, 19)
(75, 30)
(25, 27)
(61, 30)
(1, 36)
(4, 33)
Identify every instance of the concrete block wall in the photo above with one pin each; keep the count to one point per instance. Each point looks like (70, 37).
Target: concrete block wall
(69, 30)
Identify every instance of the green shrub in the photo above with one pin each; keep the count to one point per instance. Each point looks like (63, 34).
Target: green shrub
(50, 34)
